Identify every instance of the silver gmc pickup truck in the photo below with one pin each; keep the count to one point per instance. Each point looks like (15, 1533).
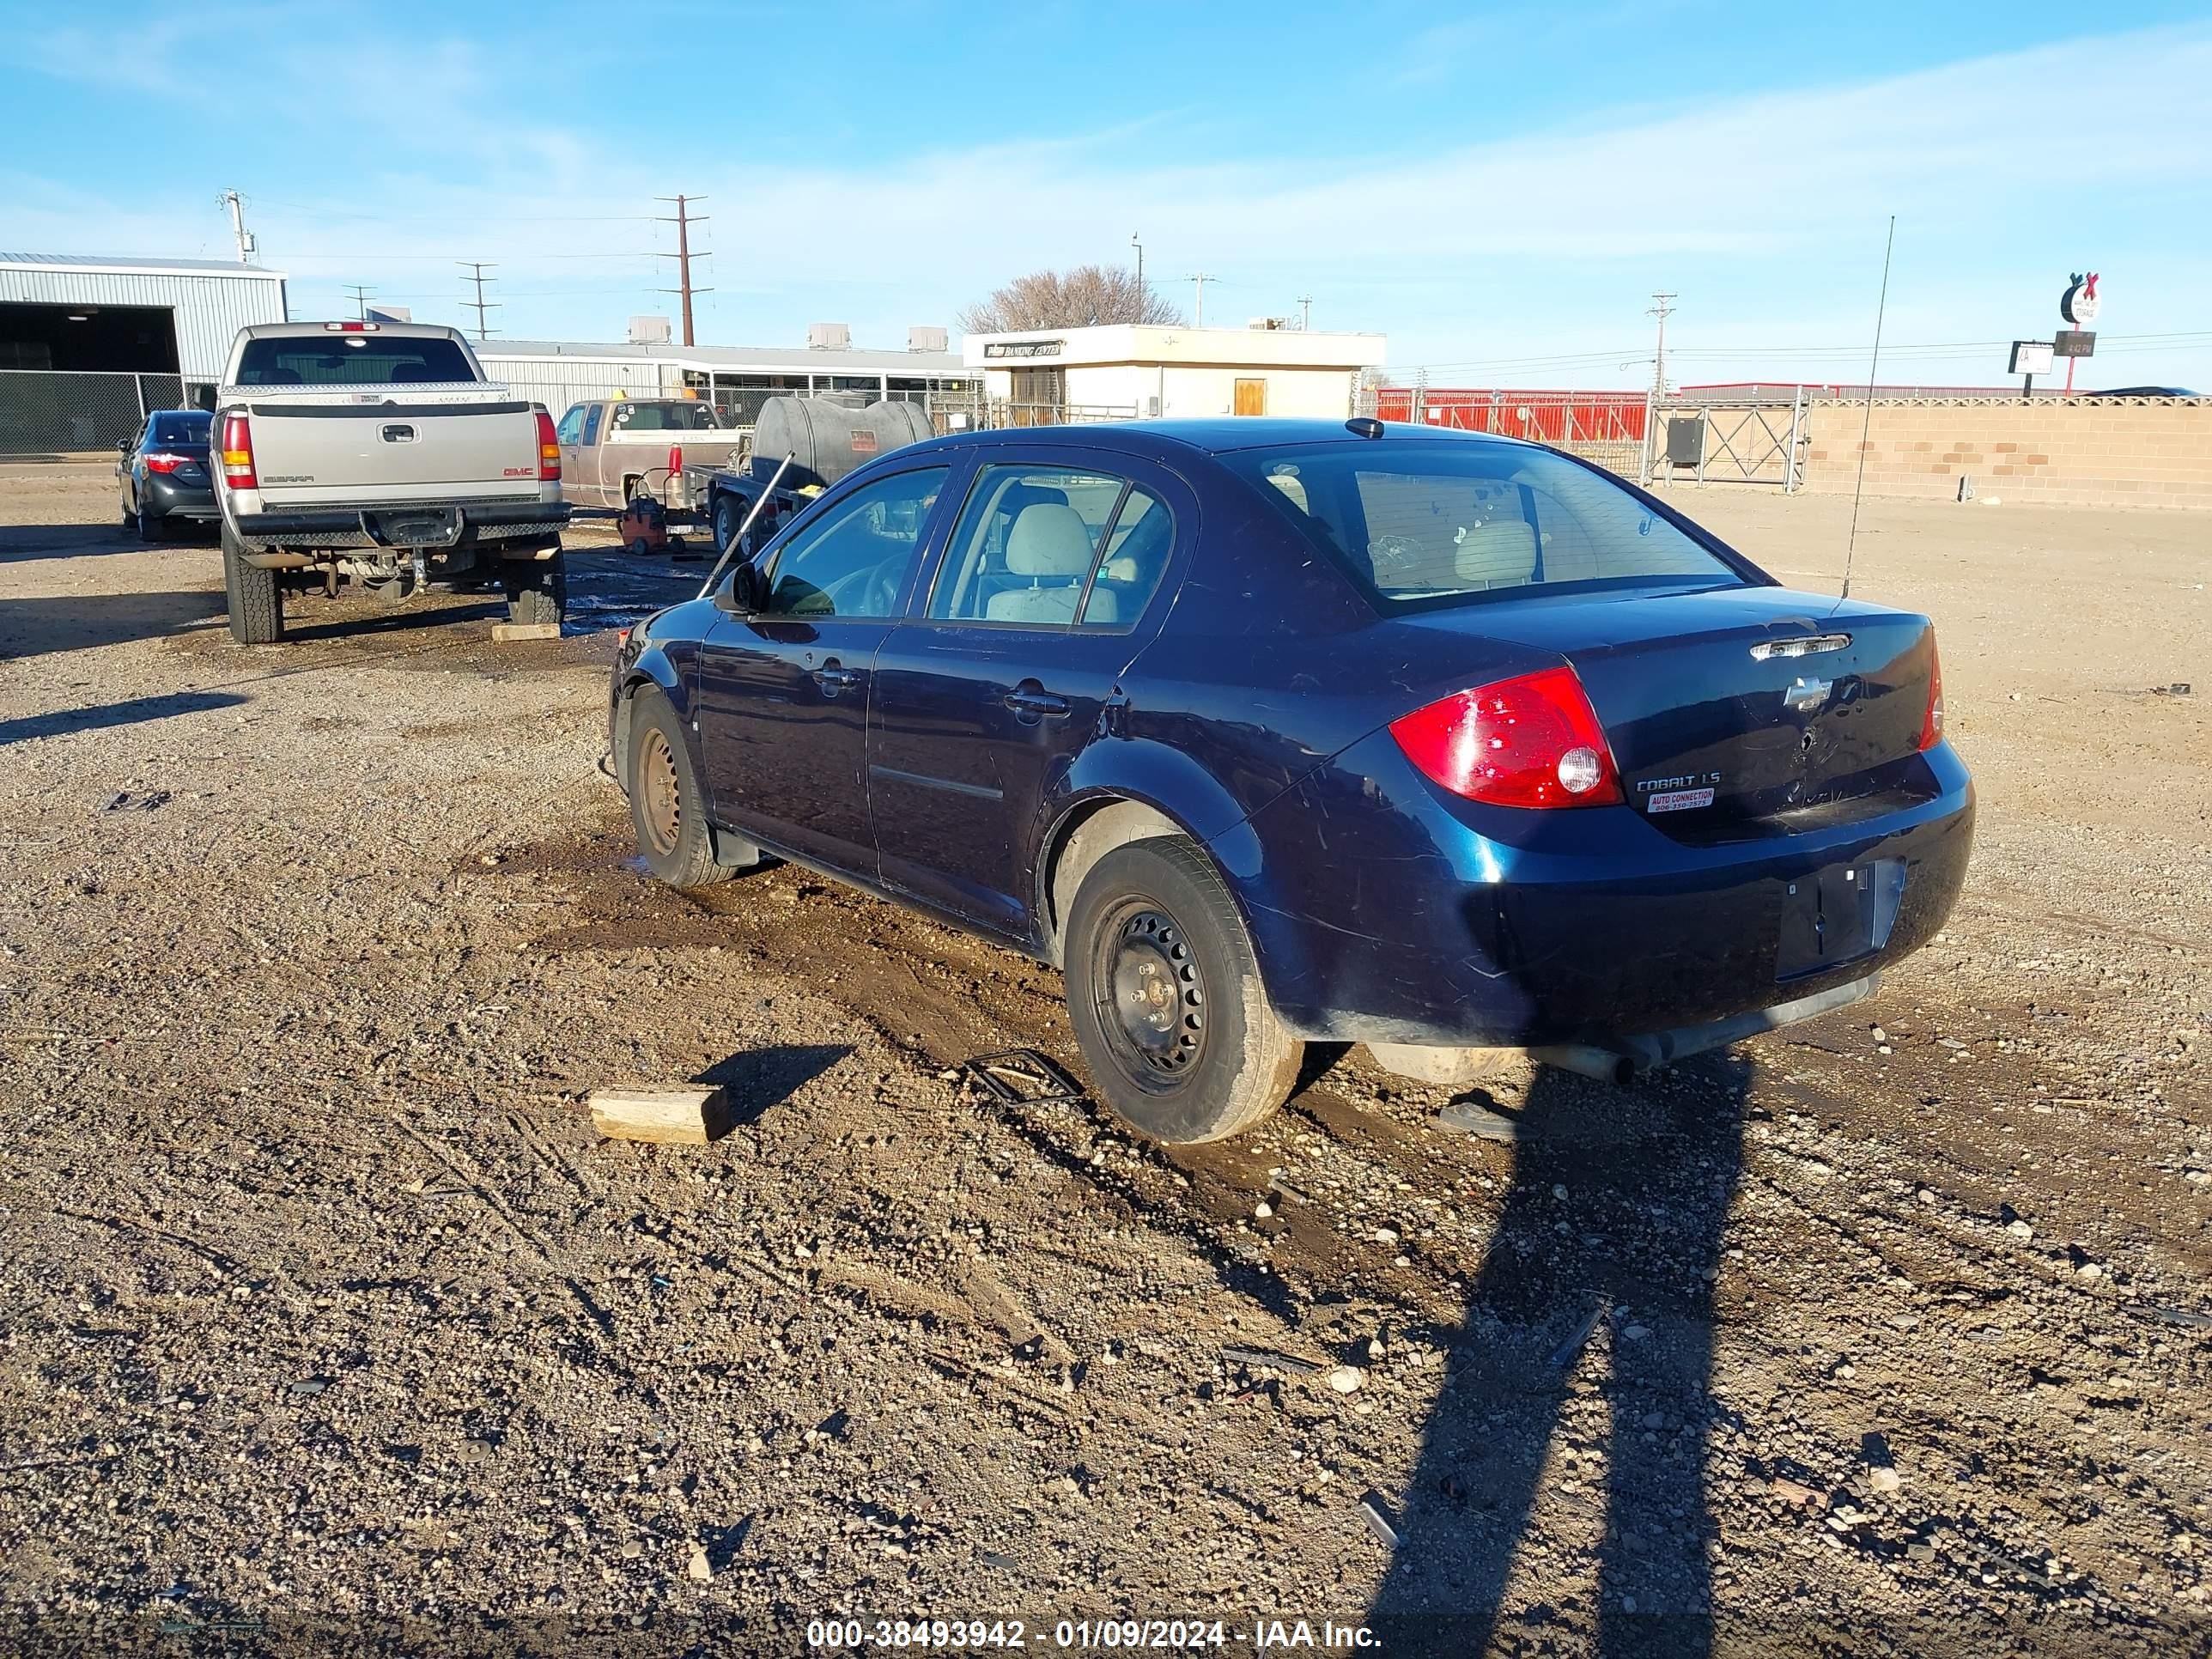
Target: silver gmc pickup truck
(378, 453)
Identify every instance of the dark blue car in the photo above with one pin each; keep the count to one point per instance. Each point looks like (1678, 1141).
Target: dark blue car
(1276, 731)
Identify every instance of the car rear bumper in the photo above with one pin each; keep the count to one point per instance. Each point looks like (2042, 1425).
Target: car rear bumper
(366, 526)
(1409, 925)
(174, 500)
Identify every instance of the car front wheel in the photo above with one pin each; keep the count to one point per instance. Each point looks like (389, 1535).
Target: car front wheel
(667, 808)
(1165, 994)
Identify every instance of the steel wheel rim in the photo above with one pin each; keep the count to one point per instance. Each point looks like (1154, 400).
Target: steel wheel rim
(1150, 997)
(661, 793)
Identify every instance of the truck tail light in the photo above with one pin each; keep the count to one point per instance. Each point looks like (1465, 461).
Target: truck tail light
(1931, 723)
(675, 467)
(238, 454)
(349, 328)
(549, 449)
(1533, 741)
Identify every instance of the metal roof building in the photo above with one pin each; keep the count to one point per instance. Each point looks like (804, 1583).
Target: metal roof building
(559, 373)
(72, 311)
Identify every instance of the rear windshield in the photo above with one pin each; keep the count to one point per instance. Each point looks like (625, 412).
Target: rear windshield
(188, 428)
(350, 360)
(683, 417)
(1422, 524)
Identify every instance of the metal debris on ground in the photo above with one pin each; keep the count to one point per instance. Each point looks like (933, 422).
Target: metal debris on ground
(1290, 1364)
(1564, 1355)
(2178, 688)
(1469, 1117)
(1376, 1513)
(1022, 1077)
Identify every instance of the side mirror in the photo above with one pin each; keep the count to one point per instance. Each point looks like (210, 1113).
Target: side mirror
(122, 445)
(744, 593)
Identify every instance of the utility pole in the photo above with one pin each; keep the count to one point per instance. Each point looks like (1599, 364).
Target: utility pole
(1662, 306)
(683, 220)
(479, 305)
(360, 301)
(1305, 312)
(1140, 246)
(1201, 278)
(245, 244)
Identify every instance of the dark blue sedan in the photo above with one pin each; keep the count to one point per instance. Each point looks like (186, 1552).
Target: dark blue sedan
(1276, 731)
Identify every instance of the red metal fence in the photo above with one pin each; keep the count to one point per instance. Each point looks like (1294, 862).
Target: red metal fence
(1547, 416)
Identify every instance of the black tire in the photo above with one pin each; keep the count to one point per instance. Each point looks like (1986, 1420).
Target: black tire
(256, 601)
(641, 548)
(150, 526)
(667, 808)
(538, 590)
(729, 518)
(1165, 998)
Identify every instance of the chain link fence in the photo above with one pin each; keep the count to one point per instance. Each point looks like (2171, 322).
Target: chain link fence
(65, 412)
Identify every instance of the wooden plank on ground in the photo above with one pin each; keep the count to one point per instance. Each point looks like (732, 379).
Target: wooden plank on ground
(508, 632)
(690, 1116)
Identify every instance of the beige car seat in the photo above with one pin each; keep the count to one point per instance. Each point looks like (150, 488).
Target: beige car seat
(1499, 554)
(1050, 544)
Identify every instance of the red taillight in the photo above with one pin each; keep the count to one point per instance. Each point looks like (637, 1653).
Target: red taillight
(1532, 740)
(1931, 723)
(549, 449)
(161, 461)
(674, 466)
(237, 451)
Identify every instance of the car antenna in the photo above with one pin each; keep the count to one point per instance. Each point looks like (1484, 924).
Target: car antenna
(1881, 306)
(739, 540)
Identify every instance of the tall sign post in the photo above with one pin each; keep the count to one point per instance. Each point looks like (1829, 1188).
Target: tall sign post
(2078, 306)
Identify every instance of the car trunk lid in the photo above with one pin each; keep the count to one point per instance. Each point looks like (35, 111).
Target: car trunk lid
(1739, 710)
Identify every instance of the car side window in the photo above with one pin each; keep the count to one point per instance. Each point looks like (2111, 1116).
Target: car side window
(852, 560)
(572, 426)
(592, 423)
(1130, 562)
(1026, 545)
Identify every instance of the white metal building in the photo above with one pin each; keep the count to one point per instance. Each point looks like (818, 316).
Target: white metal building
(79, 313)
(739, 378)
(1147, 372)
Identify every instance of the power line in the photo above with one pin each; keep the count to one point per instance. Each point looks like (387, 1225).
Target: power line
(480, 305)
(359, 293)
(683, 221)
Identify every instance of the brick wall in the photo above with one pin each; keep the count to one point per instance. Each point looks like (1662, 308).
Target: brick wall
(2082, 451)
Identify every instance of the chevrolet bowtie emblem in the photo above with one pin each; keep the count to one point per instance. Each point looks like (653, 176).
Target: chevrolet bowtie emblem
(1805, 696)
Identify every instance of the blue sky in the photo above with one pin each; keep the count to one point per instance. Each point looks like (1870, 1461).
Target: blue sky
(1498, 189)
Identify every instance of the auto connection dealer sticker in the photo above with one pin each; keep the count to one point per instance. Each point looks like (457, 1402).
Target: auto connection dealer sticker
(1681, 800)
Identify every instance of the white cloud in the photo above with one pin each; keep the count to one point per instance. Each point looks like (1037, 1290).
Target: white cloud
(1766, 209)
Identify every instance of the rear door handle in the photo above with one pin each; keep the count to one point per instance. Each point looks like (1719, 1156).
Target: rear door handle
(1037, 703)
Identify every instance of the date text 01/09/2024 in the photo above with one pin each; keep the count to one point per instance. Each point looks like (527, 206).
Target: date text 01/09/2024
(1266, 1635)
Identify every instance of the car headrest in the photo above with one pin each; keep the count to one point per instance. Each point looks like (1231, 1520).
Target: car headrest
(1048, 539)
(409, 372)
(1500, 553)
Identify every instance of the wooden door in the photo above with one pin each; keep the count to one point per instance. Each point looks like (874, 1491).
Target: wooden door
(1251, 396)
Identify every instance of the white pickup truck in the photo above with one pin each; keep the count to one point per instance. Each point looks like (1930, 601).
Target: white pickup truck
(378, 453)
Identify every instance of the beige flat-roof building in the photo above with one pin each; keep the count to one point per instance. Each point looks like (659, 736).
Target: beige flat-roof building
(1135, 371)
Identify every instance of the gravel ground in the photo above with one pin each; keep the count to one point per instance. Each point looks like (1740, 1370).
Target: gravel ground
(328, 1320)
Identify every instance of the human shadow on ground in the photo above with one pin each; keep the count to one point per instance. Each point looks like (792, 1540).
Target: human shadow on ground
(1617, 1209)
(95, 716)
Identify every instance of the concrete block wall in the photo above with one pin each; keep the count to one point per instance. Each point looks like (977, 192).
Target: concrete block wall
(2080, 452)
